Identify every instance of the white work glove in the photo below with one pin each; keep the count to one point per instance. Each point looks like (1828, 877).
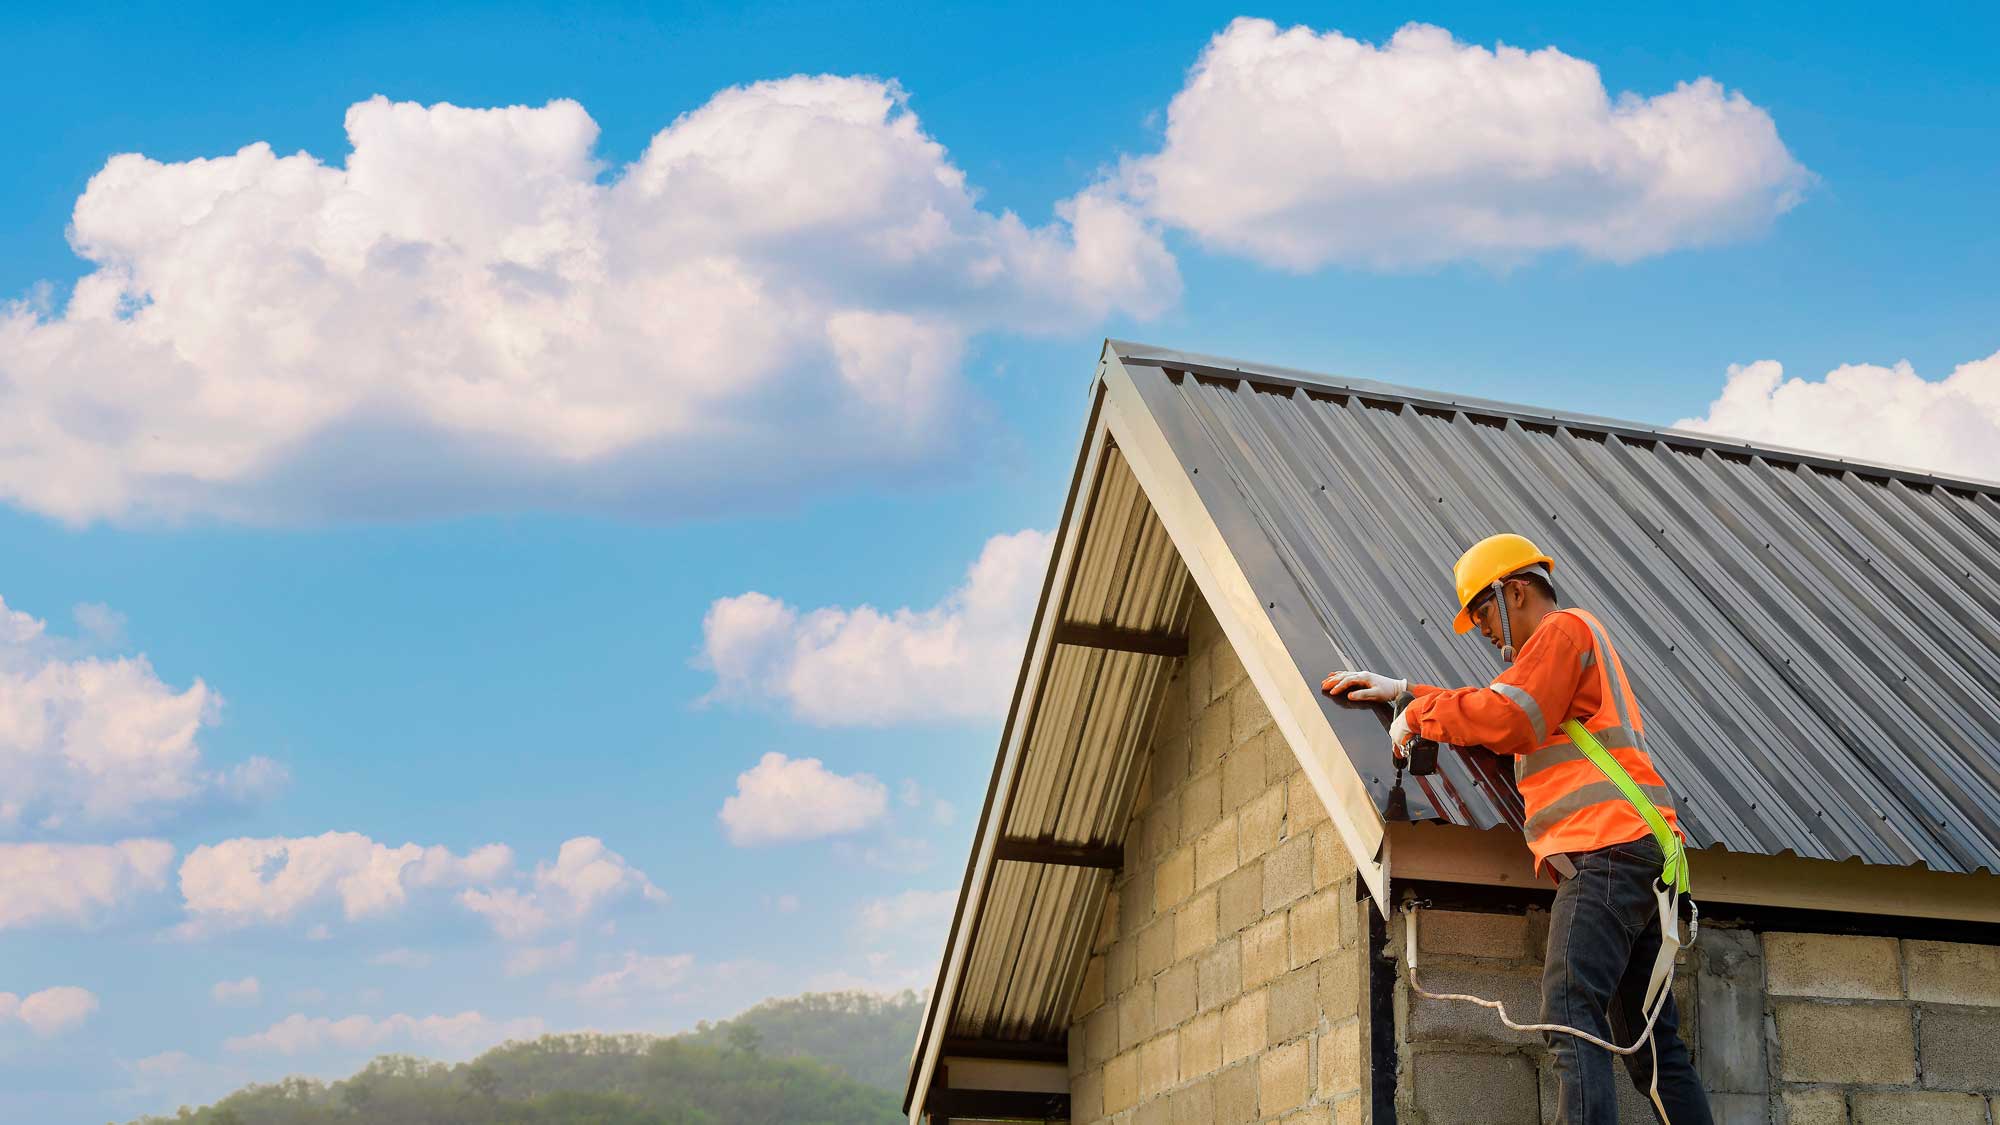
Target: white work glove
(1364, 687)
(1400, 735)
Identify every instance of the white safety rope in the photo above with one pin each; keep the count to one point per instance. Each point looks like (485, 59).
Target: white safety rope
(1658, 989)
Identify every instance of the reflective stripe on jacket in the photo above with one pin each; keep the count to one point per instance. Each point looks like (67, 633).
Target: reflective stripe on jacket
(1567, 670)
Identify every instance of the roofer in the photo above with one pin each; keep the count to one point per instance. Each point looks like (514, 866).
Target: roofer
(1580, 826)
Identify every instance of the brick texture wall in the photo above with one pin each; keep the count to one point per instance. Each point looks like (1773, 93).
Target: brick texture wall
(1787, 1028)
(1228, 979)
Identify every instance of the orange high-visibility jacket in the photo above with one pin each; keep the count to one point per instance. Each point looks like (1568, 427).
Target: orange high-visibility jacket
(1567, 670)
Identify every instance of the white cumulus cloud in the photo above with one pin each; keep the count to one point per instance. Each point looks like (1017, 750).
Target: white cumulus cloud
(51, 1011)
(76, 883)
(836, 666)
(783, 800)
(91, 744)
(1300, 149)
(911, 911)
(585, 877)
(245, 991)
(463, 1034)
(247, 881)
(640, 975)
(1889, 414)
(475, 312)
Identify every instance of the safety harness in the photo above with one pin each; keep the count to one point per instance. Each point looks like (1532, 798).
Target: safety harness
(1670, 890)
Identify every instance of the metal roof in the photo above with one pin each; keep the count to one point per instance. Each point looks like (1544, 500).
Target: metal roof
(1815, 642)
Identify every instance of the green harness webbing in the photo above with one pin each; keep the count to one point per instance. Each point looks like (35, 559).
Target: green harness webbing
(1675, 872)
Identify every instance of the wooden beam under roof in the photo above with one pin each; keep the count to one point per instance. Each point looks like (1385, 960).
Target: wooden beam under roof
(1109, 857)
(1121, 640)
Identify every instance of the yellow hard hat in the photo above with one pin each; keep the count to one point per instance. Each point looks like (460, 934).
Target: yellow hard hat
(1486, 562)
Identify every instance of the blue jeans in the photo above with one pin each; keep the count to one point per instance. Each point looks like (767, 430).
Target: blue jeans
(1603, 937)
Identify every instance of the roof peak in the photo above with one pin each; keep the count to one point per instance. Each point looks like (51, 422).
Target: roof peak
(1153, 355)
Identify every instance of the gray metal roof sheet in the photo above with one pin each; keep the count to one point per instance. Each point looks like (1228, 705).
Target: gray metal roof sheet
(1815, 642)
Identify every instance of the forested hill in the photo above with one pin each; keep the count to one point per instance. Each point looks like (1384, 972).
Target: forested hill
(791, 1061)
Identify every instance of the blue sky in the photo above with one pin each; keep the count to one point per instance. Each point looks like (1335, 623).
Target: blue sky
(394, 526)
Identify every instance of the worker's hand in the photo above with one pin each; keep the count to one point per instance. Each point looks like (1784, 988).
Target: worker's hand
(1400, 736)
(1364, 687)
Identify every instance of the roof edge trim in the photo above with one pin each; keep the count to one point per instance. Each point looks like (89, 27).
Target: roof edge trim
(1146, 355)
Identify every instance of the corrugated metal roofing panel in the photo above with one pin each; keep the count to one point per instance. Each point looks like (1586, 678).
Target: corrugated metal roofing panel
(1814, 641)
(1080, 770)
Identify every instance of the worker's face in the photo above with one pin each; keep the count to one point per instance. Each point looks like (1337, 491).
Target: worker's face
(1486, 612)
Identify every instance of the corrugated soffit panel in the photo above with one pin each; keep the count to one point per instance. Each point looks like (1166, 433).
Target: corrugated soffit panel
(1816, 645)
(1081, 768)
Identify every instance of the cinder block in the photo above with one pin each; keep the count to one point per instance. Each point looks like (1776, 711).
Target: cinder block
(1310, 1115)
(1242, 775)
(1960, 1047)
(1340, 985)
(1100, 1034)
(1135, 1018)
(1227, 666)
(1194, 925)
(1729, 988)
(1294, 1005)
(1201, 1045)
(1121, 1082)
(1832, 965)
(1316, 926)
(1727, 1109)
(1174, 881)
(1121, 968)
(1174, 996)
(1259, 822)
(1236, 1095)
(1340, 1059)
(1452, 1021)
(1266, 950)
(1211, 738)
(1170, 754)
(1162, 828)
(1247, 714)
(1473, 935)
(1288, 873)
(1219, 975)
(1349, 1111)
(1279, 761)
(1073, 1045)
(1491, 1089)
(1897, 1107)
(1153, 948)
(1243, 1026)
(1090, 993)
(1135, 900)
(1193, 1104)
(1107, 926)
(1815, 1107)
(1331, 863)
(1155, 1112)
(1845, 1043)
(1953, 973)
(1215, 853)
(1201, 803)
(1240, 898)
(1159, 1065)
(1284, 1078)
(1303, 809)
(1086, 1095)
(1200, 668)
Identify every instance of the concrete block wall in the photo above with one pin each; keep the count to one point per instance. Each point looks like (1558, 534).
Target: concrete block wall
(1876, 1030)
(1228, 980)
(1786, 1028)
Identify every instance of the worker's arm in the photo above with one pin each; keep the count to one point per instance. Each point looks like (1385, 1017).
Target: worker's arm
(1516, 712)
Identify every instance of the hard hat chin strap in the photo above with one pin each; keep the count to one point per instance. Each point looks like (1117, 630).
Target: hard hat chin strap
(1506, 625)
